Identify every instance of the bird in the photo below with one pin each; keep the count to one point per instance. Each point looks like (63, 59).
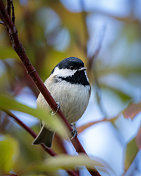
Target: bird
(69, 86)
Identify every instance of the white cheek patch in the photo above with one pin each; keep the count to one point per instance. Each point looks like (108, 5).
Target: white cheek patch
(63, 72)
(86, 75)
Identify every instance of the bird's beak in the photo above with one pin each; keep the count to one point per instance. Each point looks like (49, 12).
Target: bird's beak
(83, 68)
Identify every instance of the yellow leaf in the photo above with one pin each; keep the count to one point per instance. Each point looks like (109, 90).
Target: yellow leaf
(8, 153)
(131, 152)
(7, 52)
(63, 161)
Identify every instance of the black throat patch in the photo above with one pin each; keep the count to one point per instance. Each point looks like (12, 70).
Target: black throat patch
(79, 77)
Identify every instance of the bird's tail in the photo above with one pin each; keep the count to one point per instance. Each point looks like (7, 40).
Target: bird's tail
(44, 137)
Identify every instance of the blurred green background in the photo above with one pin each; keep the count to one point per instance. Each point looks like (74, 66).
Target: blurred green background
(53, 30)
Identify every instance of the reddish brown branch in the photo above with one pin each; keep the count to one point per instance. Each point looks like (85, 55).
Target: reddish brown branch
(9, 7)
(29, 130)
(33, 134)
(16, 44)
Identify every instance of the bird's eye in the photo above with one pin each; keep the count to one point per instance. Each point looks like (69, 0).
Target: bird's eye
(71, 67)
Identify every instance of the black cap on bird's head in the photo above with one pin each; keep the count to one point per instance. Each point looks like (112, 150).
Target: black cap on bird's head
(72, 63)
(71, 70)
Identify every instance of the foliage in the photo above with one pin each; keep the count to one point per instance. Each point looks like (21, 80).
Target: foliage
(50, 32)
(8, 152)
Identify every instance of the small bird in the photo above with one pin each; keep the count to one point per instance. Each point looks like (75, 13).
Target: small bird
(69, 86)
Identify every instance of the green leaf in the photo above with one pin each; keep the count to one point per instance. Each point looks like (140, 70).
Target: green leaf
(8, 153)
(123, 96)
(131, 152)
(52, 122)
(63, 161)
(7, 52)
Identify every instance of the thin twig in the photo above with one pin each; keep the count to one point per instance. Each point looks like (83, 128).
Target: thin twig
(33, 134)
(92, 59)
(89, 124)
(9, 7)
(93, 69)
(84, 18)
(29, 130)
(13, 12)
(90, 63)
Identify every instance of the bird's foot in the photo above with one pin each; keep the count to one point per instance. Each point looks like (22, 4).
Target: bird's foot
(58, 108)
(74, 131)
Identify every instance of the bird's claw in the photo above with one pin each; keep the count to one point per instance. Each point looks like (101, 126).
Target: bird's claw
(58, 107)
(74, 131)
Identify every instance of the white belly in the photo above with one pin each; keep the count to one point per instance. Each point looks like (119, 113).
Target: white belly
(73, 99)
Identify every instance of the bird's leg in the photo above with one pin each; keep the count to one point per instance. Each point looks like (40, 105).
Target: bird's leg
(58, 107)
(74, 131)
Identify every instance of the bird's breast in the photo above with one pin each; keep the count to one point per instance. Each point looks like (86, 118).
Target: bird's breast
(73, 98)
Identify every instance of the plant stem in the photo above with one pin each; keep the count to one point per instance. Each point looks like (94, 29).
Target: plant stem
(33, 134)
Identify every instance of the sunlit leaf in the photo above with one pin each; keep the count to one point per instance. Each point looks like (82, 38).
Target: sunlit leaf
(132, 110)
(63, 161)
(131, 152)
(8, 153)
(7, 52)
(54, 123)
(138, 138)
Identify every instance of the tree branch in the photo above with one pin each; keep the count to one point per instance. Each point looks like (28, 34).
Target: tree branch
(33, 134)
(16, 44)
